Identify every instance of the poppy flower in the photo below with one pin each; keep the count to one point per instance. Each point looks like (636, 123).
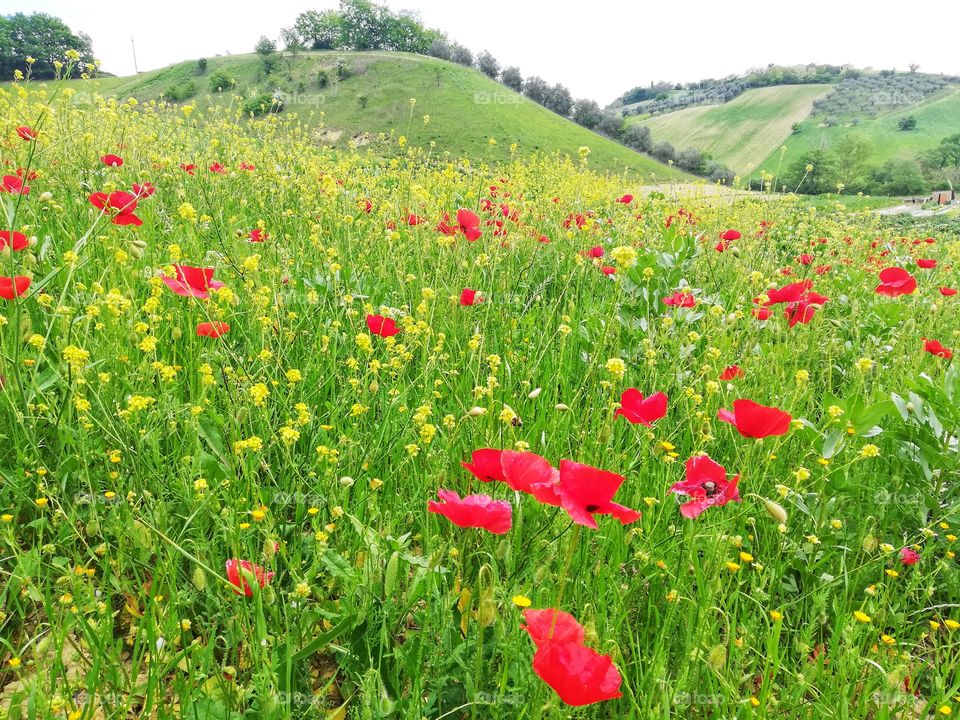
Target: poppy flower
(257, 235)
(625, 199)
(239, 572)
(473, 511)
(947, 292)
(469, 297)
(895, 281)
(731, 373)
(11, 287)
(188, 168)
(731, 235)
(680, 299)
(803, 311)
(469, 224)
(120, 205)
(762, 313)
(638, 409)
(909, 556)
(805, 259)
(935, 347)
(26, 133)
(578, 674)
(608, 270)
(527, 471)
(192, 281)
(414, 220)
(585, 491)
(382, 326)
(112, 160)
(791, 293)
(927, 264)
(595, 252)
(14, 240)
(249, 167)
(143, 191)
(13, 185)
(545, 626)
(485, 465)
(543, 239)
(218, 169)
(212, 329)
(706, 484)
(754, 420)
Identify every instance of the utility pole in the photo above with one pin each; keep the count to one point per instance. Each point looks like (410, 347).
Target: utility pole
(134, 48)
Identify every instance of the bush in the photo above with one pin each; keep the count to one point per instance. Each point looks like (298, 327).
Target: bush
(323, 78)
(262, 104)
(202, 66)
(907, 122)
(342, 69)
(362, 101)
(181, 91)
(221, 81)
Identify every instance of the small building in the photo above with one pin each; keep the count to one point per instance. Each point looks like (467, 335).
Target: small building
(943, 197)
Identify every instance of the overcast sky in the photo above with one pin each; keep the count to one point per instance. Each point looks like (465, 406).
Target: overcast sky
(598, 49)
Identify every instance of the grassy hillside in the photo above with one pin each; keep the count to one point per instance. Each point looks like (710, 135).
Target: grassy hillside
(741, 133)
(466, 109)
(936, 118)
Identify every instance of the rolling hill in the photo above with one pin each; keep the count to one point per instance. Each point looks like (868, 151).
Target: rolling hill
(470, 115)
(937, 117)
(741, 133)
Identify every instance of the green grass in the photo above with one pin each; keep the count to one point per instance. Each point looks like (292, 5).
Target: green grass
(741, 133)
(936, 117)
(466, 108)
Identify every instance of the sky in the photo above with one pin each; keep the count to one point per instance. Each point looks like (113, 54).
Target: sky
(599, 49)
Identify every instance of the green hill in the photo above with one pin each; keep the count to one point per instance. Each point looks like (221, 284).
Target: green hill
(937, 117)
(741, 133)
(466, 109)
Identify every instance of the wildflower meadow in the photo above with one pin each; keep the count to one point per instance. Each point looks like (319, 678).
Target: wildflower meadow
(299, 432)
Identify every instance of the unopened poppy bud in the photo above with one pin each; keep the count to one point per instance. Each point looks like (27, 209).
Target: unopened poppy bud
(735, 251)
(199, 579)
(176, 333)
(374, 386)
(561, 407)
(870, 543)
(477, 411)
(534, 393)
(269, 548)
(775, 510)
(911, 408)
(346, 481)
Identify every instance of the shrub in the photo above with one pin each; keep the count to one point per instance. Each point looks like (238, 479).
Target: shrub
(202, 66)
(221, 81)
(907, 122)
(181, 91)
(362, 101)
(262, 104)
(342, 69)
(323, 78)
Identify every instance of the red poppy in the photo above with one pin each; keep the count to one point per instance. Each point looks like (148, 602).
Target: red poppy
(805, 259)
(731, 235)
(791, 293)
(578, 674)
(706, 484)
(413, 219)
(473, 511)
(257, 235)
(585, 491)
(638, 409)
(732, 372)
(192, 281)
(803, 311)
(762, 313)
(120, 205)
(680, 299)
(543, 239)
(895, 281)
(608, 270)
(469, 297)
(218, 169)
(947, 292)
(545, 626)
(249, 167)
(485, 465)
(26, 133)
(594, 252)
(927, 264)
(382, 326)
(11, 287)
(625, 199)
(13, 185)
(188, 168)
(935, 347)
(212, 329)
(14, 240)
(909, 556)
(112, 160)
(754, 420)
(143, 191)
(469, 224)
(241, 572)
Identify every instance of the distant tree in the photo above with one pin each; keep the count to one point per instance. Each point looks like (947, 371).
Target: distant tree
(221, 80)
(559, 100)
(715, 172)
(362, 101)
(405, 33)
(488, 65)
(822, 176)
(637, 137)
(42, 37)
(292, 42)
(319, 30)
(913, 68)
(851, 155)
(439, 48)
(266, 49)
(898, 177)
(942, 163)
(611, 124)
(587, 113)
(907, 122)
(461, 55)
(512, 78)
(691, 160)
(364, 25)
(202, 66)
(536, 89)
(664, 151)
